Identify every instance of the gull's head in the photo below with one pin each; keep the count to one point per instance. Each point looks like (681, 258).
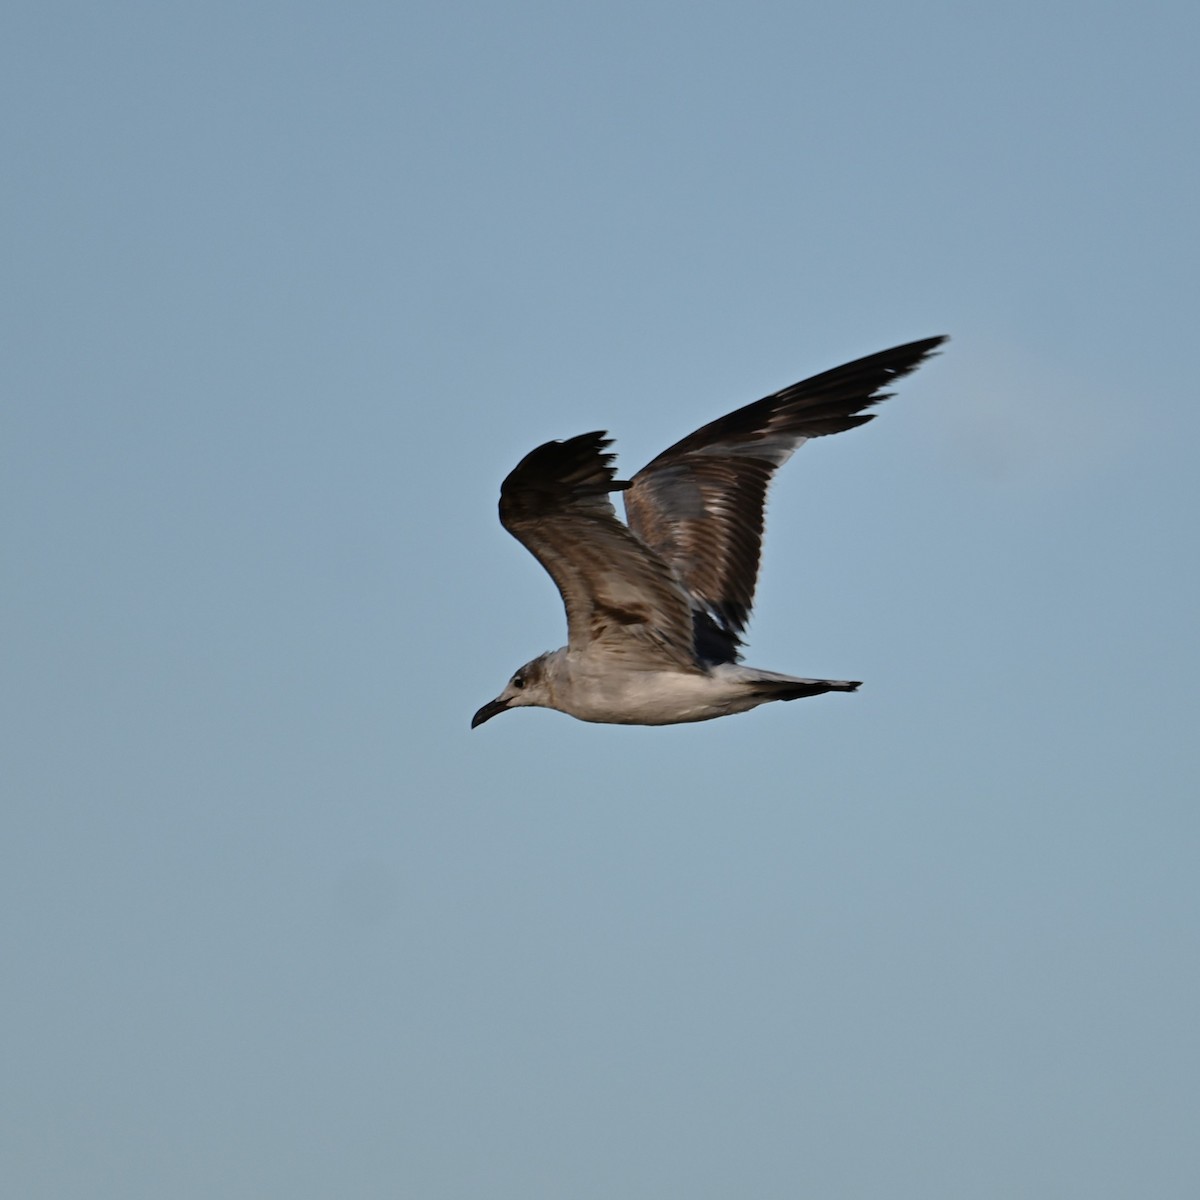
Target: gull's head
(528, 686)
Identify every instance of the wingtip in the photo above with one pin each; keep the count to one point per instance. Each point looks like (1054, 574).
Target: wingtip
(928, 348)
(913, 354)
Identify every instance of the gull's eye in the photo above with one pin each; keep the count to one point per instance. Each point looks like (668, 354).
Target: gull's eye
(518, 681)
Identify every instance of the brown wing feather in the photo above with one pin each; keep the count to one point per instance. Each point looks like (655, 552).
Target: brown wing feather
(700, 503)
(616, 591)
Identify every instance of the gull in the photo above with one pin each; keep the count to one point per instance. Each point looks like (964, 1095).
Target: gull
(656, 607)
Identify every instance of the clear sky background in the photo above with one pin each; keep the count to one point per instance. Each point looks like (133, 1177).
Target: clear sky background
(288, 289)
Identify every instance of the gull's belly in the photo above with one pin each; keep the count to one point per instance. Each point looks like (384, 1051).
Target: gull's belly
(653, 697)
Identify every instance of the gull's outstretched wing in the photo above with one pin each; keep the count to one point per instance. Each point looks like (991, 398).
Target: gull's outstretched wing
(620, 596)
(699, 505)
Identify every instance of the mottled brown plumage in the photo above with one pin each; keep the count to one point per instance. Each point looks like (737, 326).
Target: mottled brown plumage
(617, 592)
(699, 505)
(656, 608)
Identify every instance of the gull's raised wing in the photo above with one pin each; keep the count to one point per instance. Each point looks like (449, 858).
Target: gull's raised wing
(699, 505)
(619, 595)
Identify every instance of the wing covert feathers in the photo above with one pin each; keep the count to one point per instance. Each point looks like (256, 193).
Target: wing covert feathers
(699, 505)
(619, 595)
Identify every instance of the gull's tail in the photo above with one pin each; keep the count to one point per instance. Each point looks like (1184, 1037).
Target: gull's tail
(771, 686)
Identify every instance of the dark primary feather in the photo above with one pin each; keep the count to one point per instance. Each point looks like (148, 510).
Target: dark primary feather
(699, 505)
(617, 592)
(558, 474)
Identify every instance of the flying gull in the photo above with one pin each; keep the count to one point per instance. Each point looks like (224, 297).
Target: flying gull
(656, 608)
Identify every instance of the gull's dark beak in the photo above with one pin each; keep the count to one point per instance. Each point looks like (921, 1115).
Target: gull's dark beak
(488, 711)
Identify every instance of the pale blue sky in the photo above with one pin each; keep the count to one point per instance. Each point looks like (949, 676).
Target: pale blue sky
(288, 289)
